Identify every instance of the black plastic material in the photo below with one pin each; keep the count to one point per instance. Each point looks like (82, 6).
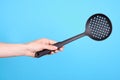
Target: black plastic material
(98, 27)
(45, 51)
(59, 45)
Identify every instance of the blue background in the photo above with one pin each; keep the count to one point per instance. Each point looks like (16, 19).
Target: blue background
(23, 21)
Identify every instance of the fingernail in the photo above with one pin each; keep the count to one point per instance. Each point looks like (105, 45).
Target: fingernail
(56, 51)
(55, 47)
(52, 52)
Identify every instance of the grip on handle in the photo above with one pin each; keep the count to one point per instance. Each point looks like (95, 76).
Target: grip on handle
(59, 45)
(42, 53)
(46, 51)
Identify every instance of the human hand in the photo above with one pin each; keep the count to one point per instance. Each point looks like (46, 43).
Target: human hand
(40, 45)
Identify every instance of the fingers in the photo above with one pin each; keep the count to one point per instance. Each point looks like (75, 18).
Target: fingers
(56, 51)
(42, 44)
(45, 41)
(61, 49)
(53, 49)
(51, 42)
(50, 47)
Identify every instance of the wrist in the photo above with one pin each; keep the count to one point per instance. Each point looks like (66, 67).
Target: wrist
(27, 50)
(20, 49)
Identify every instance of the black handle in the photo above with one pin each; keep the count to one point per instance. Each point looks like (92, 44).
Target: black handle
(46, 51)
(59, 45)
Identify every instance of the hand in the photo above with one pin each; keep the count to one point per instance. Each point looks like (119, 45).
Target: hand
(29, 49)
(39, 45)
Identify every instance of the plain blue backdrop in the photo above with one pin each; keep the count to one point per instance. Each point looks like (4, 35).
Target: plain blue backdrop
(23, 21)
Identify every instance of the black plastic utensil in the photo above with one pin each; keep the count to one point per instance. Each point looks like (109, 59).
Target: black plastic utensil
(98, 27)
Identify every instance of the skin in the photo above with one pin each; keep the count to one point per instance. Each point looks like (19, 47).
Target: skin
(28, 49)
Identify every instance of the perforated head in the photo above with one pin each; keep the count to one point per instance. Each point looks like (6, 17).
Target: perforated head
(98, 27)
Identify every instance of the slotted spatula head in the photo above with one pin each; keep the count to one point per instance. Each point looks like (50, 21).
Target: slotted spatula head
(98, 27)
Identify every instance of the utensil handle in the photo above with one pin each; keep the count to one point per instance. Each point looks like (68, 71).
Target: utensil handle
(59, 45)
(46, 51)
